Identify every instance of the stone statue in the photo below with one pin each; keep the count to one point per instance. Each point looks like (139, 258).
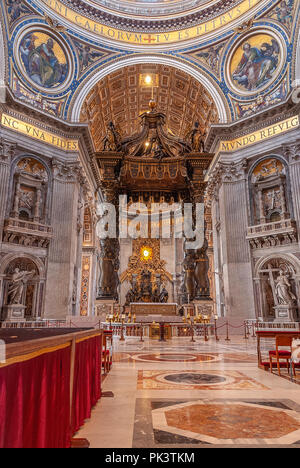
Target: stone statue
(201, 273)
(112, 140)
(17, 284)
(189, 275)
(108, 262)
(196, 137)
(283, 290)
(164, 296)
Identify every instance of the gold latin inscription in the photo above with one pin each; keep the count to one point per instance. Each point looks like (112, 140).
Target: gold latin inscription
(154, 38)
(39, 134)
(260, 135)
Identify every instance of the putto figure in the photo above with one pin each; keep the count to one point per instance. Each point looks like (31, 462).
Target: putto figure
(41, 62)
(284, 12)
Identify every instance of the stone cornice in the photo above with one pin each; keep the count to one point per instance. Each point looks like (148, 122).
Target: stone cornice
(160, 25)
(251, 124)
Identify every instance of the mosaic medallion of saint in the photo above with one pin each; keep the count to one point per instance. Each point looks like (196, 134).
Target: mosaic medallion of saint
(43, 60)
(255, 63)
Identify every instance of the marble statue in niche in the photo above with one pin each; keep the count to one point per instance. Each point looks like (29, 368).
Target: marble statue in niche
(273, 202)
(43, 60)
(283, 290)
(17, 285)
(255, 63)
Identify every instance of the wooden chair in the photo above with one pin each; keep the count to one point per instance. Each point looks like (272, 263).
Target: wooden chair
(282, 354)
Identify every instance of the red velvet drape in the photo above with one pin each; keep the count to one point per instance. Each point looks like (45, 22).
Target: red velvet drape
(35, 402)
(87, 380)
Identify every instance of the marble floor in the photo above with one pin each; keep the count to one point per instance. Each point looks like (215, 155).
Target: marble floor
(187, 395)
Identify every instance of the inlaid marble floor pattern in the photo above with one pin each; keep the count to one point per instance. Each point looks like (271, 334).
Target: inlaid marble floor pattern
(181, 394)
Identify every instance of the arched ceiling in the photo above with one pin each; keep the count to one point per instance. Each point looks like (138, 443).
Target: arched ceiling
(121, 98)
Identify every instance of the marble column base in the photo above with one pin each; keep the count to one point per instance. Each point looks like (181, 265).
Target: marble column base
(285, 313)
(205, 307)
(14, 313)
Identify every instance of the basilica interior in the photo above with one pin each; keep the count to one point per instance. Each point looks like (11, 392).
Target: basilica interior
(149, 224)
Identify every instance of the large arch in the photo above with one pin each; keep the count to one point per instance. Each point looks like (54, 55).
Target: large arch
(215, 93)
(290, 258)
(297, 68)
(3, 64)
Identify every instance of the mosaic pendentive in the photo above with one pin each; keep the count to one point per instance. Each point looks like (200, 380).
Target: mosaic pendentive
(262, 102)
(16, 10)
(284, 13)
(87, 55)
(53, 107)
(43, 60)
(211, 56)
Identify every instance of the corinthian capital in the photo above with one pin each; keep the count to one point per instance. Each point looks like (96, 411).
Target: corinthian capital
(225, 173)
(66, 172)
(7, 150)
(234, 172)
(292, 152)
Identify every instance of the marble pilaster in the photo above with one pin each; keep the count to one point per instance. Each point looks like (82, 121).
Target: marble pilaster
(235, 259)
(6, 153)
(63, 248)
(293, 154)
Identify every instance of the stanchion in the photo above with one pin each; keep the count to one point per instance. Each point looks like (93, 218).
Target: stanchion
(192, 334)
(227, 331)
(141, 334)
(216, 331)
(122, 332)
(162, 332)
(255, 324)
(246, 334)
(206, 333)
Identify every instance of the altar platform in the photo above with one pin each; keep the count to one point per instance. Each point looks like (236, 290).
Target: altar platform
(146, 309)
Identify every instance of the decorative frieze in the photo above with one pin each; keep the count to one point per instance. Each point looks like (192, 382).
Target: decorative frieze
(27, 233)
(272, 234)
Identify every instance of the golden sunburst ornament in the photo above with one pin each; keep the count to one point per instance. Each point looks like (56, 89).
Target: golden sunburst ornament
(146, 254)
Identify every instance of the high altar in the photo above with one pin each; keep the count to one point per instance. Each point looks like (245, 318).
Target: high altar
(155, 271)
(152, 309)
